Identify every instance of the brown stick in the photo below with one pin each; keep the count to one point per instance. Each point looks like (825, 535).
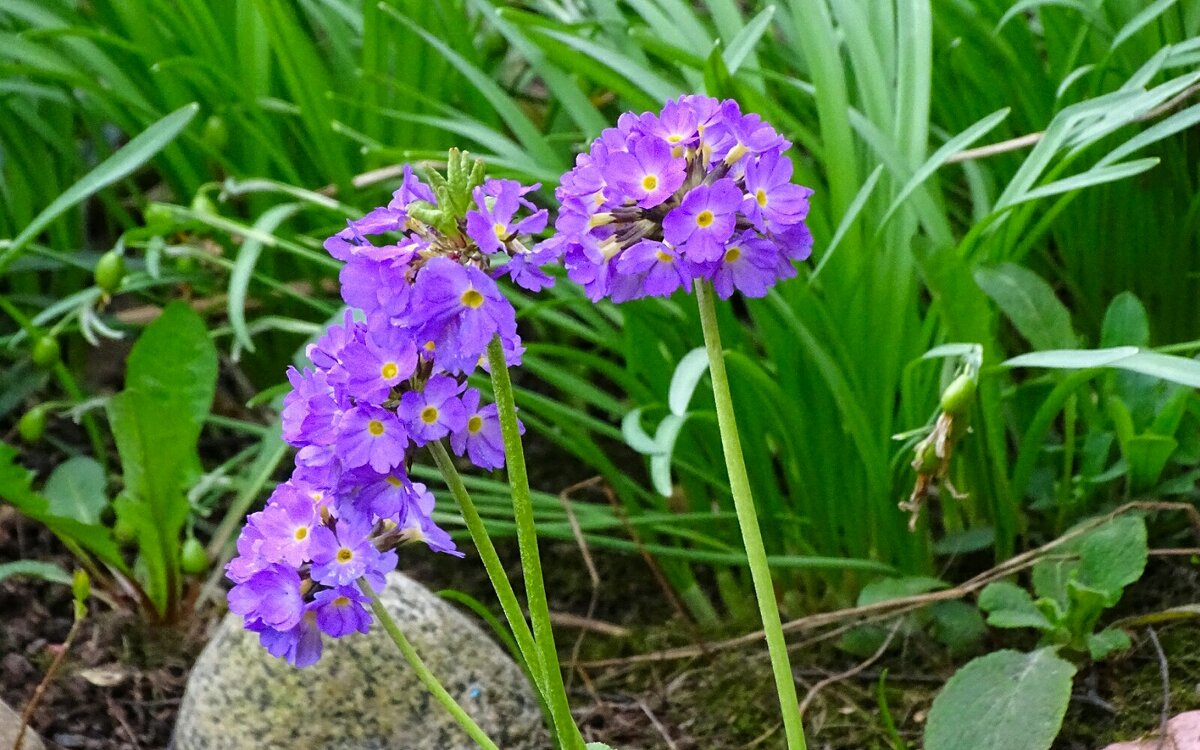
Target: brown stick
(27, 714)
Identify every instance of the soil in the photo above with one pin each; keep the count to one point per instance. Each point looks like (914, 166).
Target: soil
(120, 684)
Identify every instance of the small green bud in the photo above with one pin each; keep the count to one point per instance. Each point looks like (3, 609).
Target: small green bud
(957, 397)
(33, 424)
(927, 459)
(110, 271)
(124, 531)
(46, 352)
(216, 133)
(204, 206)
(81, 586)
(185, 263)
(192, 557)
(157, 216)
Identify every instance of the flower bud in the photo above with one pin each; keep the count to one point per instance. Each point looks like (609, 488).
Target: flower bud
(33, 424)
(46, 352)
(81, 586)
(957, 397)
(110, 271)
(192, 557)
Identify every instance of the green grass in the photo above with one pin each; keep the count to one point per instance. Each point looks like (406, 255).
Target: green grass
(878, 98)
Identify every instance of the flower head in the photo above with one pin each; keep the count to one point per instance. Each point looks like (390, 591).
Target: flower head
(661, 200)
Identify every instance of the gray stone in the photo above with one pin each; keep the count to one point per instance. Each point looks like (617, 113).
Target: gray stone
(10, 726)
(361, 695)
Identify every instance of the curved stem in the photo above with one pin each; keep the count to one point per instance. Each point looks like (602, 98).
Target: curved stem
(427, 678)
(531, 563)
(491, 561)
(743, 503)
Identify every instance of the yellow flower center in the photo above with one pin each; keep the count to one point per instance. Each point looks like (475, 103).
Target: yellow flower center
(429, 414)
(341, 601)
(733, 254)
(375, 427)
(649, 182)
(471, 298)
(395, 482)
(674, 138)
(301, 534)
(389, 370)
(474, 424)
(663, 257)
(345, 555)
(500, 230)
(760, 195)
(429, 346)
(704, 218)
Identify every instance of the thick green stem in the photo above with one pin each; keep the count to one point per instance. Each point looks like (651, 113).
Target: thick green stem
(743, 503)
(531, 563)
(427, 678)
(491, 561)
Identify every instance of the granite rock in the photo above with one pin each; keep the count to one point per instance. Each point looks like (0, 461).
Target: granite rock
(10, 726)
(361, 695)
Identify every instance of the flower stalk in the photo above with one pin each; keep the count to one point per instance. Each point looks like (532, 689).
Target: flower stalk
(428, 679)
(743, 502)
(531, 564)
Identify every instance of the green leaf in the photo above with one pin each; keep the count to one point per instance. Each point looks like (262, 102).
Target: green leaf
(957, 624)
(169, 386)
(132, 155)
(81, 538)
(35, 569)
(1107, 558)
(1147, 456)
(76, 490)
(1163, 366)
(1006, 700)
(1101, 644)
(685, 379)
(243, 269)
(1030, 304)
(598, 746)
(1085, 606)
(1010, 606)
(1125, 322)
(747, 38)
(886, 589)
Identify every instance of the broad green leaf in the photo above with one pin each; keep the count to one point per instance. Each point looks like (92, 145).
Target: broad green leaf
(35, 569)
(1030, 304)
(1006, 700)
(132, 155)
(685, 379)
(80, 538)
(1010, 606)
(886, 589)
(1101, 644)
(1107, 558)
(1084, 608)
(169, 385)
(957, 624)
(76, 489)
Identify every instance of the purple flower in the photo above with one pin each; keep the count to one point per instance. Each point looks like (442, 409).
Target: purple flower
(459, 309)
(772, 199)
(704, 220)
(421, 528)
(301, 645)
(479, 436)
(342, 611)
(371, 435)
(649, 175)
(286, 525)
(751, 265)
(310, 413)
(272, 596)
(340, 557)
(249, 559)
(376, 365)
(432, 413)
(377, 288)
(411, 189)
(653, 269)
(492, 223)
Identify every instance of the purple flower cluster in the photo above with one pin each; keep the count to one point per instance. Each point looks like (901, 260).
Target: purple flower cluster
(384, 381)
(696, 191)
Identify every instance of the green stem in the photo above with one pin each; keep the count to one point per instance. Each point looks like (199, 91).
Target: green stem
(531, 563)
(491, 561)
(427, 678)
(743, 503)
